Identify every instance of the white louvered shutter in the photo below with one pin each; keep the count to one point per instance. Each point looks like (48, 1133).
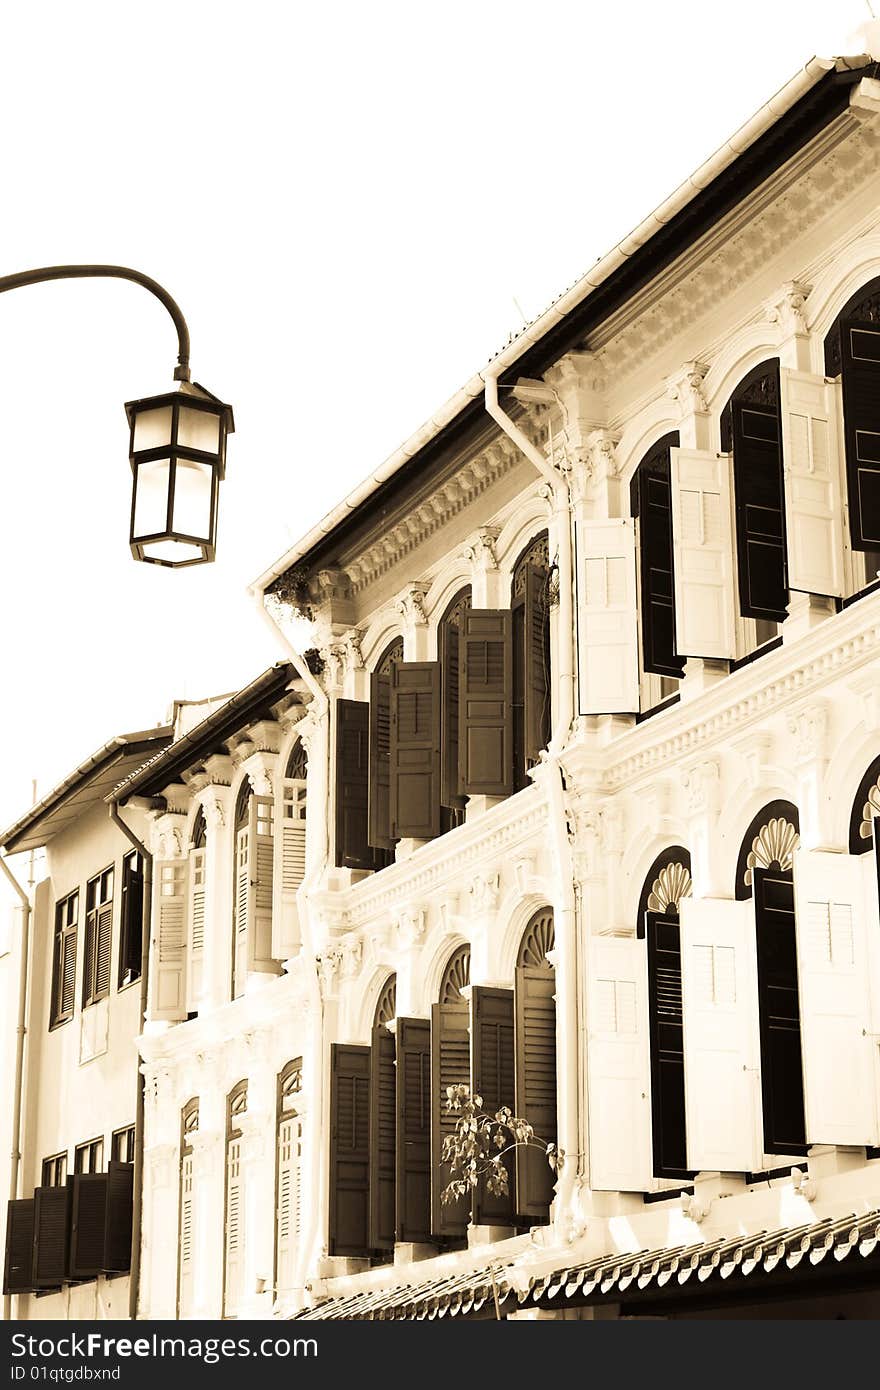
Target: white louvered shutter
(262, 871)
(242, 909)
(871, 898)
(196, 942)
(702, 549)
(812, 485)
(289, 1214)
(609, 635)
(617, 1060)
(290, 865)
(235, 1229)
(839, 1083)
(720, 1010)
(169, 940)
(187, 1237)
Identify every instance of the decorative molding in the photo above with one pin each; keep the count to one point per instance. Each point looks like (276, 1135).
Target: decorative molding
(669, 887)
(329, 964)
(480, 549)
(686, 389)
(809, 729)
(701, 784)
(485, 891)
(410, 605)
(410, 924)
(775, 843)
(870, 810)
(787, 308)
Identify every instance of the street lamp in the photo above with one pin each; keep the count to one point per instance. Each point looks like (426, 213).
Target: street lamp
(178, 442)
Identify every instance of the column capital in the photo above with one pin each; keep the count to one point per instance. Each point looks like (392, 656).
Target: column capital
(685, 388)
(480, 548)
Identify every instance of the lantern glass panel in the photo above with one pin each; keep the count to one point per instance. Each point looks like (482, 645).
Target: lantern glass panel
(173, 552)
(152, 428)
(198, 429)
(151, 498)
(193, 484)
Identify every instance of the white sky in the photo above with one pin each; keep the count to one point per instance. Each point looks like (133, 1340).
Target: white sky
(345, 199)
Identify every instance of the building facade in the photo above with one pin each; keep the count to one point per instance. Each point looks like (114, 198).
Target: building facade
(572, 801)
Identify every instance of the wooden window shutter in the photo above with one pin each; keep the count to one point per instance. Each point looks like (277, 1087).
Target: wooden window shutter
(617, 1067)
(667, 1046)
(169, 955)
(782, 1086)
(131, 936)
(288, 1214)
(88, 1224)
(701, 532)
(262, 872)
(450, 680)
(493, 1077)
(760, 519)
(415, 750)
(67, 971)
(860, 343)
(812, 484)
(349, 1150)
(382, 1138)
(837, 1046)
(450, 1066)
(657, 577)
(290, 864)
(195, 965)
(241, 908)
(485, 705)
(118, 1231)
(537, 664)
(413, 1205)
(18, 1269)
(535, 1055)
(379, 790)
(51, 1235)
(89, 956)
(187, 1237)
(609, 637)
(719, 1000)
(233, 1281)
(352, 778)
(104, 942)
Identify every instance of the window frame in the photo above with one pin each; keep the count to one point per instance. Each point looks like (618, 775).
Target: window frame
(91, 1150)
(91, 994)
(53, 1170)
(63, 933)
(130, 879)
(124, 1135)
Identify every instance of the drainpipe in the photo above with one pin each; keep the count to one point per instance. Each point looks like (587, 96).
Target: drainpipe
(20, 1034)
(303, 900)
(134, 1282)
(550, 775)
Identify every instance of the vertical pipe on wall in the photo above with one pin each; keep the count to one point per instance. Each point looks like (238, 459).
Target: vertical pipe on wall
(20, 1035)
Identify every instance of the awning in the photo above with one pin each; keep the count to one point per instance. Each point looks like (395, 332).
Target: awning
(620, 1275)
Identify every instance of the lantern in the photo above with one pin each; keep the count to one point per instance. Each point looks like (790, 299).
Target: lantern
(178, 460)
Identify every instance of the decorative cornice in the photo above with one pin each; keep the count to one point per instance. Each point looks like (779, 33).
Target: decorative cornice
(686, 389)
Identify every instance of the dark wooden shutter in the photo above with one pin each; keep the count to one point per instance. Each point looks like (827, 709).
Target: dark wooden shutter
(535, 1085)
(352, 776)
(860, 353)
(450, 638)
(51, 1235)
(657, 576)
(485, 704)
(413, 1129)
(18, 1269)
(132, 918)
(379, 793)
(415, 750)
(88, 1224)
(118, 1232)
(537, 664)
(382, 1138)
(349, 1150)
(450, 1066)
(68, 972)
(493, 1078)
(104, 935)
(760, 508)
(667, 1045)
(782, 1083)
(89, 952)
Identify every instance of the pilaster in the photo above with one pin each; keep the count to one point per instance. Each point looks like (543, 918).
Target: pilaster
(485, 580)
(685, 388)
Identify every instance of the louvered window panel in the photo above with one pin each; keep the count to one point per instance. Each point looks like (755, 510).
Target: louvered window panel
(18, 1271)
(450, 1066)
(88, 1225)
(235, 1232)
(667, 1045)
(493, 1078)
(349, 1150)
(51, 1235)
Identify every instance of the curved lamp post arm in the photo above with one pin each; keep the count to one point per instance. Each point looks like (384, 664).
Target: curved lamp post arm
(113, 272)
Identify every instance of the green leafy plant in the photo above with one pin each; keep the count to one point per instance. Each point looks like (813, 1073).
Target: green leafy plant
(476, 1149)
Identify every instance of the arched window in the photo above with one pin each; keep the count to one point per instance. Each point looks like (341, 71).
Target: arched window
(448, 641)
(383, 1121)
(668, 881)
(864, 826)
(451, 1066)
(253, 886)
(535, 1055)
(234, 1245)
(187, 1246)
(288, 1177)
(852, 352)
(530, 612)
(764, 872)
(751, 428)
(379, 793)
(195, 965)
(651, 504)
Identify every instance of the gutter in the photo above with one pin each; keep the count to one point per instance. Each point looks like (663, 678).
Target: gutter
(767, 116)
(134, 1282)
(20, 1035)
